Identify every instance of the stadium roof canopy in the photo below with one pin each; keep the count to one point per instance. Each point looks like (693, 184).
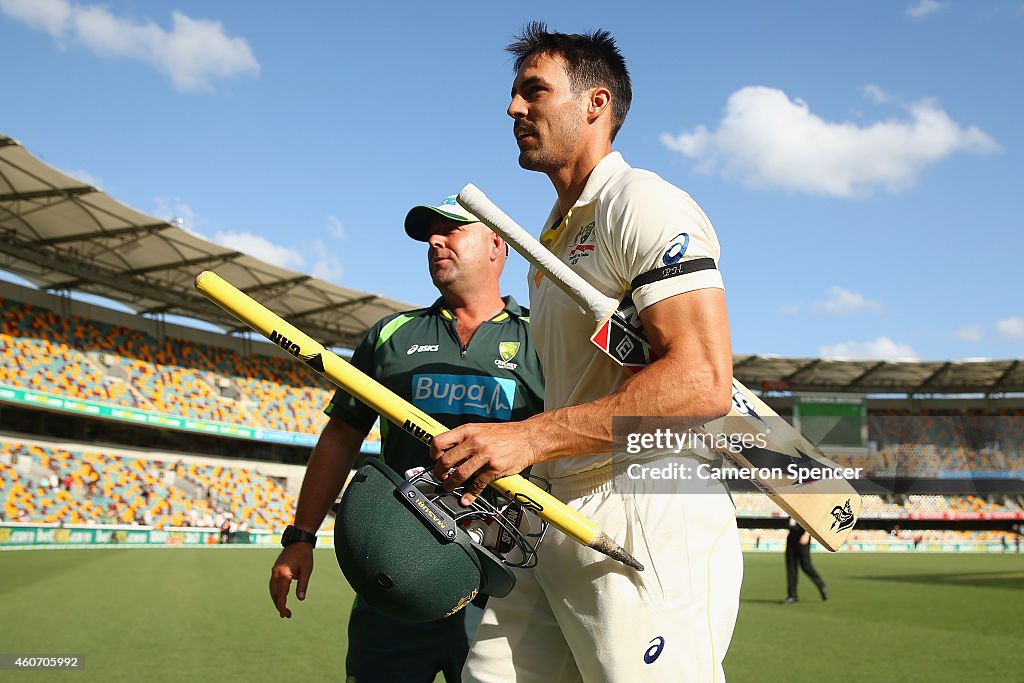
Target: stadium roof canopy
(880, 377)
(62, 234)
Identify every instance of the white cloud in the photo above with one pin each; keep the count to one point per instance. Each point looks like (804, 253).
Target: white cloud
(51, 16)
(173, 209)
(327, 266)
(846, 302)
(261, 248)
(1012, 327)
(85, 177)
(882, 348)
(766, 140)
(875, 93)
(926, 8)
(969, 333)
(336, 227)
(193, 53)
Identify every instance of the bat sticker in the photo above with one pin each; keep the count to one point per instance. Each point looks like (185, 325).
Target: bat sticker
(315, 361)
(843, 516)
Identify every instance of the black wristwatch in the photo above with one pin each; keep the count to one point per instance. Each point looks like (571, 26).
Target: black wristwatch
(293, 534)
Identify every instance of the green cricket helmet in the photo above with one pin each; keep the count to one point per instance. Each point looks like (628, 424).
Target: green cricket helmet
(405, 545)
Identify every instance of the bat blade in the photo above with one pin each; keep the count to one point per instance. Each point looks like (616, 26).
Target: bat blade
(828, 509)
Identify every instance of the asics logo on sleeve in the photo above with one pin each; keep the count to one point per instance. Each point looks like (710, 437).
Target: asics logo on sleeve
(654, 651)
(676, 249)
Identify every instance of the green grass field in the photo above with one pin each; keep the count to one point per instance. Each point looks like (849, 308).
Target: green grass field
(205, 615)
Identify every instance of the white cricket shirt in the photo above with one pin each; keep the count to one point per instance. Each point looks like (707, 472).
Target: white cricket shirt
(626, 222)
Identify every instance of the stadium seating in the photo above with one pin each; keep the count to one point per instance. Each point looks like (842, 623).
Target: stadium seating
(71, 356)
(86, 359)
(99, 487)
(87, 484)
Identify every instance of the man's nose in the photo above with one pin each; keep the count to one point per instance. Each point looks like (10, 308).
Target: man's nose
(517, 107)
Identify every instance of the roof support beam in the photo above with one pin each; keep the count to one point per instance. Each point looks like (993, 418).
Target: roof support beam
(211, 260)
(62, 193)
(923, 387)
(277, 284)
(87, 272)
(203, 260)
(852, 384)
(339, 307)
(794, 377)
(995, 388)
(148, 229)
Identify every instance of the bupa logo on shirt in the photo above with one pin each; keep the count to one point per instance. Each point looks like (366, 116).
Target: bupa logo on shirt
(491, 397)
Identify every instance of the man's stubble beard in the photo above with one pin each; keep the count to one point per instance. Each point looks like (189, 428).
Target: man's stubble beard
(547, 160)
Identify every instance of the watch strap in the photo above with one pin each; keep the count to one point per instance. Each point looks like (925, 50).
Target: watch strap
(293, 534)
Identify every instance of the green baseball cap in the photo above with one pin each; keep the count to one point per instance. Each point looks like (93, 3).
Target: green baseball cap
(405, 555)
(419, 218)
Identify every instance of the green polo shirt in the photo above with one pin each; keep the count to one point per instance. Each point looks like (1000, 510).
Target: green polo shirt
(418, 355)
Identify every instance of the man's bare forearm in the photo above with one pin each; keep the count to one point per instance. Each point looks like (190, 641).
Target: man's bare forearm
(668, 387)
(692, 378)
(329, 464)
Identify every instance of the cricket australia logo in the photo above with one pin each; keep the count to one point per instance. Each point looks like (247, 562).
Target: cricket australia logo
(843, 515)
(582, 247)
(507, 350)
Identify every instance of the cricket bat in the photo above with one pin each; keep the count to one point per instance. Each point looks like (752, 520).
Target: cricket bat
(827, 507)
(399, 411)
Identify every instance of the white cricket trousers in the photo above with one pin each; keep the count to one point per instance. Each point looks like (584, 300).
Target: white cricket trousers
(580, 616)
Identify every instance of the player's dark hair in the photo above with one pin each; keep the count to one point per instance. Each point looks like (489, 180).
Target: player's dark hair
(592, 60)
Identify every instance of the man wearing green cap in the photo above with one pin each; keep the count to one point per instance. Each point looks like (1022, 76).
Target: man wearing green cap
(466, 358)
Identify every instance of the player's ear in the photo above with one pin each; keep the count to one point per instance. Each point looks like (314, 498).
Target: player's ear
(600, 102)
(499, 250)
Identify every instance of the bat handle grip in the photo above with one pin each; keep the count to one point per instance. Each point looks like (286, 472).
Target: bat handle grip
(582, 292)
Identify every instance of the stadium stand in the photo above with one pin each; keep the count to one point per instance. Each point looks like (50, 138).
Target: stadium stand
(80, 358)
(74, 357)
(43, 483)
(46, 483)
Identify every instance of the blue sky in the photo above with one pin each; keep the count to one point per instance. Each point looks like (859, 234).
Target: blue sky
(861, 161)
